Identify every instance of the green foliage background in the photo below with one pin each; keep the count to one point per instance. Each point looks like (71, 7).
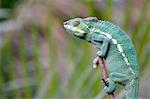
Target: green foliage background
(38, 59)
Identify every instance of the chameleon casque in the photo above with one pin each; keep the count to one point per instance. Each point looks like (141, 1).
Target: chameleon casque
(115, 47)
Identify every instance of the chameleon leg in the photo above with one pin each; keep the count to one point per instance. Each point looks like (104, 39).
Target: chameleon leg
(104, 48)
(113, 78)
(102, 43)
(119, 77)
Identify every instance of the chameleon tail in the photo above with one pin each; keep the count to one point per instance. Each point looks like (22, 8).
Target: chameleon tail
(133, 89)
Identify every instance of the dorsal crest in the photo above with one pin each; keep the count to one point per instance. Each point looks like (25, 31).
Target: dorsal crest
(94, 19)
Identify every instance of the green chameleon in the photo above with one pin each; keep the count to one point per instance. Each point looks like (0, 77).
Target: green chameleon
(115, 47)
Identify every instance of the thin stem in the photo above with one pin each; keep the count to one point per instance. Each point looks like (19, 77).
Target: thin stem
(104, 75)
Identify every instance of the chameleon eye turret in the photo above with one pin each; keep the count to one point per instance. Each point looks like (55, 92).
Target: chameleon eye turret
(76, 23)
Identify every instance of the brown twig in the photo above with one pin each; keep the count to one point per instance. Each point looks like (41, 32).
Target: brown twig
(104, 75)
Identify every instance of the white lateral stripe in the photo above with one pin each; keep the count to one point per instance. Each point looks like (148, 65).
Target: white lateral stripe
(108, 35)
(114, 41)
(123, 54)
(96, 30)
(132, 70)
(127, 63)
(126, 60)
(103, 33)
(119, 48)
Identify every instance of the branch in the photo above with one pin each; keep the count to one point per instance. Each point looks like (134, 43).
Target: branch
(104, 75)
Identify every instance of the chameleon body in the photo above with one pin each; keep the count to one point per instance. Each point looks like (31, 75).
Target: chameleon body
(115, 47)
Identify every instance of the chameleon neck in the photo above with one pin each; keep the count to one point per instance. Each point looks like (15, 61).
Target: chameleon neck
(88, 37)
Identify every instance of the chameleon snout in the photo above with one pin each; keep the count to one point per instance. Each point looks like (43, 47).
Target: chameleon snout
(65, 23)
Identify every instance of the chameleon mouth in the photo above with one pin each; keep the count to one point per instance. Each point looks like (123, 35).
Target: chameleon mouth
(80, 31)
(74, 29)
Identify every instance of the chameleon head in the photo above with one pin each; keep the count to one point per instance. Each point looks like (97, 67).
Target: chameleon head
(77, 27)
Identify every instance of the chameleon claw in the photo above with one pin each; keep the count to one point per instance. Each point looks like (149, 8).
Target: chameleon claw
(95, 62)
(94, 66)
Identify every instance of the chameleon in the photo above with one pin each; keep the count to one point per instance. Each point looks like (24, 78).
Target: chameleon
(115, 47)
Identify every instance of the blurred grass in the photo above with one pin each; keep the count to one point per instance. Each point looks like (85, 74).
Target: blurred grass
(42, 61)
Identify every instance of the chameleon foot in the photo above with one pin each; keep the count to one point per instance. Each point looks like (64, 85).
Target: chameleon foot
(95, 62)
(111, 86)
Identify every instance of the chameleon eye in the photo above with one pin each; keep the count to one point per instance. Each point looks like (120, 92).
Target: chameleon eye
(76, 23)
